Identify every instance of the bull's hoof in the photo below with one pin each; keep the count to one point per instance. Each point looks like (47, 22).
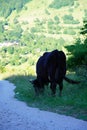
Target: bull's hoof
(60, 94)
(53, 95)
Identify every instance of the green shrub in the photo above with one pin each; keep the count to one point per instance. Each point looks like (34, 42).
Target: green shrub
(15, 60)
(69, 31)
(23, 60)
(2, 69)
(70, 10)
(31, 62)
(78, 54)
(50, 22)
(33, 29)
(57, 29)
(14, 34)
(47, 12)
(1, 27)
(10, 50)
(68, 19)
(15, 21)
(58, 3)
(56, 18)
(61, 41)
(85, 13)
(7, 6)
(2, 38)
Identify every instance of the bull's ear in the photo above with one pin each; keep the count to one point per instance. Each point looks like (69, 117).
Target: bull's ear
(31, 81)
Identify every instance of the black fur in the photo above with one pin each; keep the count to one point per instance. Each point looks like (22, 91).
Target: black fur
(51, 68)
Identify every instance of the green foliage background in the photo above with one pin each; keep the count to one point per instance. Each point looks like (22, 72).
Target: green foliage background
(7, 6)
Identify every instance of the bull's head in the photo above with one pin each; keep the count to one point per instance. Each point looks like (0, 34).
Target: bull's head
(36, 86)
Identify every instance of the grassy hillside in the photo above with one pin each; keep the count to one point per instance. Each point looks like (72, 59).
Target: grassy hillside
(40, 14)
(41, 18)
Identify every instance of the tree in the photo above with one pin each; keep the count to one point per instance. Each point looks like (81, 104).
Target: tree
(1, 27)
(14, 34)
(58, 4)
(7, 6)
(78, 51)
(84, 29)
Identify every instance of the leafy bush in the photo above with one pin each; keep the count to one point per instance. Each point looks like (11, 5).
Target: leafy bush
(61, 41)
(50, 22)
(56, 18)
(58, 3)
(15, 20)
(1, 27)
(70, 10)
(2, 38)
(47, 12)
(85, 13)
(7, 6)
(68, 19)
(33, 30)
(15, 60)
(23, 60)
(10, 50)
(78, 54)
(2, 69)
(69, 31)
(79, 50)
(14, 34)
(84, 30)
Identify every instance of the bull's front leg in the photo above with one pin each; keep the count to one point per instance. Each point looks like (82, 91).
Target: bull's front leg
(60, 88)
(41, 88)
(53, 88)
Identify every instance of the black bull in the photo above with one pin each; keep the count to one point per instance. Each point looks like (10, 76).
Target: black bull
(51, 68)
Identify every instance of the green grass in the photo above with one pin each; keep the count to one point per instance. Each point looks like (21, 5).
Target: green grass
(72, 103)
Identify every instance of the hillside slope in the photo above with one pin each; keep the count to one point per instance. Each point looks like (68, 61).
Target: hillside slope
(38, 17)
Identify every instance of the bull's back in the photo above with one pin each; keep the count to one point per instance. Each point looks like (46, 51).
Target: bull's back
(51, 66)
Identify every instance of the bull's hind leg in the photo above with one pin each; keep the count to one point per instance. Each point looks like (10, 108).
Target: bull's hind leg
(60, 88)
(53, 88)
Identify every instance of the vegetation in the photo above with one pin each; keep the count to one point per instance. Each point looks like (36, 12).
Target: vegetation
(7, 6)
(78, 51)
(68, 19)
(58, 4)
(69, 31)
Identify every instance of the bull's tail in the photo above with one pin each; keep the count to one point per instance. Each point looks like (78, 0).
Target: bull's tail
(71, 81)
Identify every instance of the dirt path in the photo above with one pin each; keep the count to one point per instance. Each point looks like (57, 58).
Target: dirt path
(16, 115)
